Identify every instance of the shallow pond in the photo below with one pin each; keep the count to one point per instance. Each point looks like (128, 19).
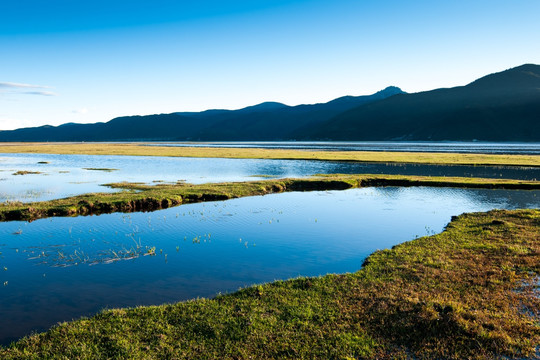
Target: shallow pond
(62, 268)
(57, 176)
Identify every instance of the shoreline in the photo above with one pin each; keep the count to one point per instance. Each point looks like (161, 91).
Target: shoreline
(450, 295)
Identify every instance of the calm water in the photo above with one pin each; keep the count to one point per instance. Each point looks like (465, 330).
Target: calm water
(418, 146)
(62, 268)
(68, 175)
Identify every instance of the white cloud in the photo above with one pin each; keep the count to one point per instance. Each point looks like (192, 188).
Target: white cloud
(43, 93)
(80, 111)
(10, 85)
(19, 89)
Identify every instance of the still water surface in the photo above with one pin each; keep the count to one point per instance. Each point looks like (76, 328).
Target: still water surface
(412, 146)
(58, 269)
(67, 175)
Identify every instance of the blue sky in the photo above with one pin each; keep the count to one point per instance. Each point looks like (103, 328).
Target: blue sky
(73, 61)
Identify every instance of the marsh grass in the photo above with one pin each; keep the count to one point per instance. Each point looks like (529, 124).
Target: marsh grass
(142, 197)
(100, 169)
(56, 258)
(24, 172)
(455, 295)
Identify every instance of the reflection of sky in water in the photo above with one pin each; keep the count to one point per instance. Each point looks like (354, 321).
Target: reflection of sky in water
(65, 175)
(63, 268)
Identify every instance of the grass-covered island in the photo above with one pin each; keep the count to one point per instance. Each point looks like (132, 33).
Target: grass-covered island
(141, 197)
(469, 292)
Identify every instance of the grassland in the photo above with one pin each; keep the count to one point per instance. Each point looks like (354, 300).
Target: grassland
(140, 197)
(470, 292)
(138, 149)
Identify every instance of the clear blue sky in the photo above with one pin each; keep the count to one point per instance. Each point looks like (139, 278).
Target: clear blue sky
(73, 61)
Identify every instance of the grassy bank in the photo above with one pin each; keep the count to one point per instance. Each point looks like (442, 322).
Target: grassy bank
(252, 153)
(468, 292)
(138, 197)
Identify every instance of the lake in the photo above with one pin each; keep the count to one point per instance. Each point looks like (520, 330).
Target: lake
(67, 175)
(412, 146)
(59, 269)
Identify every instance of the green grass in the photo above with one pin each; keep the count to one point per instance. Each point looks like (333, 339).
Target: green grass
(100, 169)
(24, 172)
(140, 197)
(136, 149)
(467, 293)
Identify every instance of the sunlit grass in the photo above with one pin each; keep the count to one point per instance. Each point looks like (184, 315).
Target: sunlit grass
(253, 153)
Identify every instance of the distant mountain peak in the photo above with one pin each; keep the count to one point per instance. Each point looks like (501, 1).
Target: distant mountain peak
(390, 90)
(503, 106)
(381, 94)
(267, 105)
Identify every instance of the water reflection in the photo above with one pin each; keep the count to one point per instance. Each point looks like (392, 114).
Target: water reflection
(62, 268)
(57, 176)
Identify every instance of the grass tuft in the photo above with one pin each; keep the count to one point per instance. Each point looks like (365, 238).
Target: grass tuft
(24, 172)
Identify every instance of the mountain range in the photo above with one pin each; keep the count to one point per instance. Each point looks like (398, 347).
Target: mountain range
(504, 106)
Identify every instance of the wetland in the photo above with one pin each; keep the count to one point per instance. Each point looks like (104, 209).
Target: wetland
(275, 219)
(40, 177)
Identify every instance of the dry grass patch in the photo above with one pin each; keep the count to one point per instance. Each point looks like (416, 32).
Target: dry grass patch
(138, 149)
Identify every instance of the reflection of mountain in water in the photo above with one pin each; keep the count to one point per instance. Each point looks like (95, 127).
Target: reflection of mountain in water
(502, 172)
(299, 168)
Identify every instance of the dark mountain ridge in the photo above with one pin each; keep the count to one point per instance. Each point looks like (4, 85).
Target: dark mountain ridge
(503, 106)
(265, 121)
